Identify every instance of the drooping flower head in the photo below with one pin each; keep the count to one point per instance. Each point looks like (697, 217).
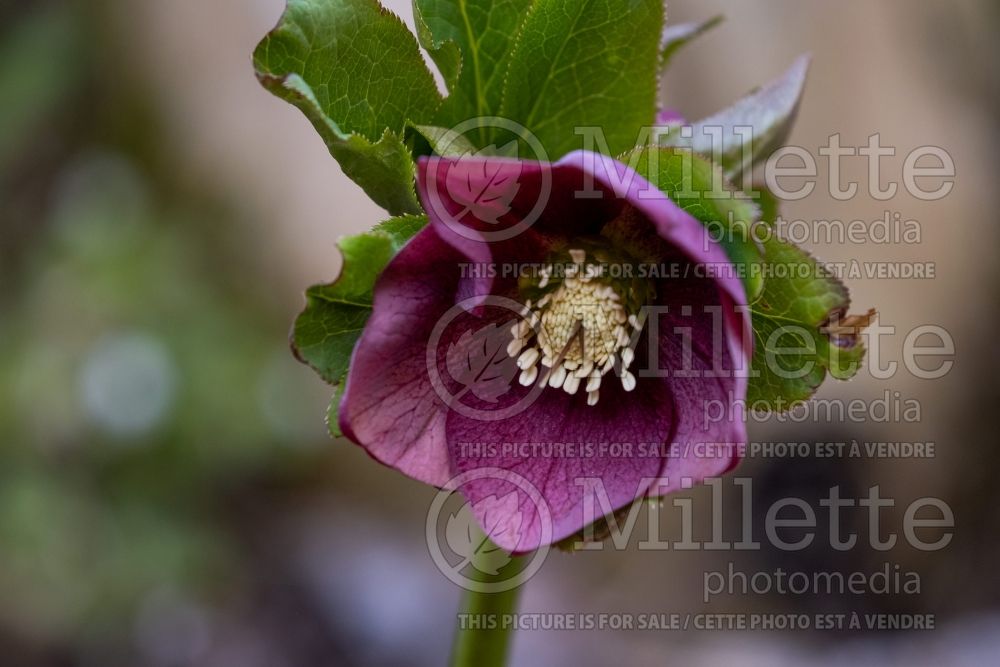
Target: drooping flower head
(564, 323)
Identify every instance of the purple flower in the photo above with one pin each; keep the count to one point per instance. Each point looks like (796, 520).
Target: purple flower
(564, 322)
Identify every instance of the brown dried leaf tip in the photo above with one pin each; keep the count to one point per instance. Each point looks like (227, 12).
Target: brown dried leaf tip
(844, 331)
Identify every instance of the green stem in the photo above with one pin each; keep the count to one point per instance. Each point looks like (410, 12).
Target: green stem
(482, 639)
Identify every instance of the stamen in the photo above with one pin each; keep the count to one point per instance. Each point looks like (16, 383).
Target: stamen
(527, 358)
(557, 377)
(579, 330)
(528, 376)
(628, 381)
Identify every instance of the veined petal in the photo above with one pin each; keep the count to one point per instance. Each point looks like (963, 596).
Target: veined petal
(392, 408)
(569, 451)
(389, 405)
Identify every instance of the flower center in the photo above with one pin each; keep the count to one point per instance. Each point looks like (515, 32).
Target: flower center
(583, 324)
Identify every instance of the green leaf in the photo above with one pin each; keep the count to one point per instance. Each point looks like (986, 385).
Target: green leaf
(698, 187)
(770, 206)
(333, 411)
(428, 139)
(585, 63)
(796, 320)
(400, 229)
(769, 111)
(444, 142)
(479, 35)
(384, 169)
(445, 53)
(356, 72)
(325, 332)
(335, 313)
(677, 36)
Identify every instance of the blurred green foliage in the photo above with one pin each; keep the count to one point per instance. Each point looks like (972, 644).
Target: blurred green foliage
(143, 383)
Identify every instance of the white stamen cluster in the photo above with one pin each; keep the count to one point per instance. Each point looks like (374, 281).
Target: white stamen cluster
(573, 336)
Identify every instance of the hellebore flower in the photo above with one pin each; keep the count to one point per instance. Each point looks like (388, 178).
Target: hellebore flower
(626, 328)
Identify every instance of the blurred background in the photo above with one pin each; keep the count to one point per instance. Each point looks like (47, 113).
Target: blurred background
(168, 493)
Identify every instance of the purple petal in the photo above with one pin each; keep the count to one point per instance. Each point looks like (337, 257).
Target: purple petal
(579, 194)
(708, 430)
(544, 208)
(639, 421)
(669, 117)
(389, 405)
(679, 229)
